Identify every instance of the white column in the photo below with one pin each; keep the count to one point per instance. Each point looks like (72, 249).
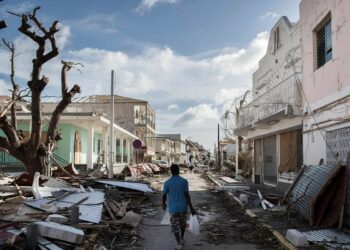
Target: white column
(105, 144)
(90, 153)
(128, 143)
(122, 149)
(114, 148)
(237, 155)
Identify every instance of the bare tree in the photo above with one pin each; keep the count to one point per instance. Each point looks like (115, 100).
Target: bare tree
(34, 151)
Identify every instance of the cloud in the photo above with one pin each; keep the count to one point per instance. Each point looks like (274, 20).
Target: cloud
(25, 51)
(195, 116)
(269, 15)
(4, 88)
(228, 95)
(147, 5)
(243, 60)
(169, 81)
(18, 8)
(98, 23)
(173, 107)
(63, 36)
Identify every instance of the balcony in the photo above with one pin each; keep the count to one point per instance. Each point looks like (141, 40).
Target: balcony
(277, 102)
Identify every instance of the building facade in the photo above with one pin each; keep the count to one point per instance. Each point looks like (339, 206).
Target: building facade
(273, 118)
(85, 140)
(135, 116)
(170, 147)
(325, 35)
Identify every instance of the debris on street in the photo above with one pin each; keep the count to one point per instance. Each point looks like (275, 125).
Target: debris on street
(55, 214)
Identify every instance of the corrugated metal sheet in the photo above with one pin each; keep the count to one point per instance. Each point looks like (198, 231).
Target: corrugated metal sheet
(308, 186)
(329, 237)
(90, 210)
(131, 185)
(312, 182)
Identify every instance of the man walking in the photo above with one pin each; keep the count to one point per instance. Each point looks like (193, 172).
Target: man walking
(176, 188)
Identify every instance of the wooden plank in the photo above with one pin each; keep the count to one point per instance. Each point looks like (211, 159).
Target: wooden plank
(109, 210)
(283, 241)
(228, 179)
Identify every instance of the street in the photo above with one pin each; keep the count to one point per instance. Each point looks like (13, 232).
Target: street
(223, 225)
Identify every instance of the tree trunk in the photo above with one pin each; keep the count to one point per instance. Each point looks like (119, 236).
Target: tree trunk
(37, 164)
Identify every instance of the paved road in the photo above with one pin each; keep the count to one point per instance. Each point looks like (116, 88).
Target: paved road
(215, 215)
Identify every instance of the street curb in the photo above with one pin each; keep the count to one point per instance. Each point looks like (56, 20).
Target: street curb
(281, 239)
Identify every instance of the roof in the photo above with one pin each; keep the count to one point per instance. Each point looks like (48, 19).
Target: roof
(170, 136)
(106, 99)
(4, 98)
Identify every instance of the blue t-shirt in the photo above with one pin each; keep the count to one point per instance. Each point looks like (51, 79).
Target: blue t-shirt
(175, 188)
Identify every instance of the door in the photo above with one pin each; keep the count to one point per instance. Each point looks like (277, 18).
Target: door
(258, 161)
(270, 163)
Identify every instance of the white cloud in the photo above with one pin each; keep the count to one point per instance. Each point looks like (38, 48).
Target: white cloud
(147, 5)
(201, 86)
(98, 23)
(173, 107)
(18, 8)
(4, 88)
(228, 95)
(243, 60)
(269, 15)
(63, 36)
(195, 116)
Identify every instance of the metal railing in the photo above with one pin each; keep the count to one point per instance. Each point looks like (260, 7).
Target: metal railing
(280, 97)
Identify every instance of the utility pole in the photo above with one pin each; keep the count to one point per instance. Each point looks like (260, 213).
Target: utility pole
(219, 153)
(111, 133)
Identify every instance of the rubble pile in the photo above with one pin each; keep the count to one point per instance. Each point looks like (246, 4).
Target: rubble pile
(54, 214)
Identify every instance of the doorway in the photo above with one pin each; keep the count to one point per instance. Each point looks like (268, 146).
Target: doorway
(270, 161)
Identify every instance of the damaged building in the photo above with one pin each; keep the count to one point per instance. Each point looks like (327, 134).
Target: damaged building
(134, 115)
(273, 118)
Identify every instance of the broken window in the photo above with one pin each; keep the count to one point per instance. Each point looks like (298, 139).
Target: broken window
(324, 41)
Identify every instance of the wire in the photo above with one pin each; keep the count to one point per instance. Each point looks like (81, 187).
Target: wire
(308, 106)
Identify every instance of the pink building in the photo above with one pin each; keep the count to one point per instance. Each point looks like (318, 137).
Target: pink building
(325, 43)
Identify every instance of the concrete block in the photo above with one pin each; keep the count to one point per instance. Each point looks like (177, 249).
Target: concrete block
(61, 232)
(243, 198)
(57, 218)
(297, 238)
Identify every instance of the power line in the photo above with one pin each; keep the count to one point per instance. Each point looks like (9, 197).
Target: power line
(309, 108)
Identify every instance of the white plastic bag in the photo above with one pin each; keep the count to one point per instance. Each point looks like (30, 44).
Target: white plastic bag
(193, 225)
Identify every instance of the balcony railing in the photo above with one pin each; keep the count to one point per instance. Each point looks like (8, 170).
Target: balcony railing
(284, 96)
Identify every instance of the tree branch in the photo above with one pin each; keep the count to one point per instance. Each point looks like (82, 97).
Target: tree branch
(52, 133)
(38, 83)
(15, 87)
(10, 132)
(4, 144)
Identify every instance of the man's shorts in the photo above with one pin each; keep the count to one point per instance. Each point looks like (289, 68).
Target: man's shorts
(177, 221)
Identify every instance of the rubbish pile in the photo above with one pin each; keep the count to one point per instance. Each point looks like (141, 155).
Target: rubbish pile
(53, 214)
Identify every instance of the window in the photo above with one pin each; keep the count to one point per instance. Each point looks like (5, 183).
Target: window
(124, 143)
(276, 39)
(117, 142)
(99, 142)
(324, 41)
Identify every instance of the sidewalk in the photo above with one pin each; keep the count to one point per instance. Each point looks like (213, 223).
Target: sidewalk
(244, 193)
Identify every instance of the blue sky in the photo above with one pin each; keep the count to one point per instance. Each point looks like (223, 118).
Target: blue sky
(188, 58)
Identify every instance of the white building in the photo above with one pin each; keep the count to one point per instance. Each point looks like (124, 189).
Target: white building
(273, 117)
(171, 148)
